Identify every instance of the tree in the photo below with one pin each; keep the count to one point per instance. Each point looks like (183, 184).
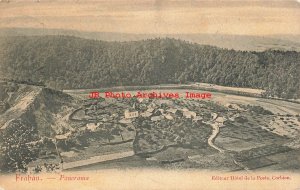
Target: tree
(70, 62)
(117, 131)
(15, 143)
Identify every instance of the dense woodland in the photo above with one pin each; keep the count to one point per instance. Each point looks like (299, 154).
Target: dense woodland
(64, 62)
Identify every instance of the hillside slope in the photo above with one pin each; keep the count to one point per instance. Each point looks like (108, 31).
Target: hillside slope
(44, 109)
(64, 62)
(31, 118)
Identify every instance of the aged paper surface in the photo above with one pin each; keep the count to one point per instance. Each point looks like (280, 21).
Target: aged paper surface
(154, 94)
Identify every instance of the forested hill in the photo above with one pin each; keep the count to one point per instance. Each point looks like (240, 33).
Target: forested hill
(66, 62)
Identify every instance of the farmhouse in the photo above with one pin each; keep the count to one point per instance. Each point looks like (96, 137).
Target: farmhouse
(129, 115)
(92, 126)
(156, 118)
(150, 110)
(197, 118)
(168, 116)
(172, 110)
(146, 114)
(125, 121)
(220, 119)
(189, 114)
(63, 136)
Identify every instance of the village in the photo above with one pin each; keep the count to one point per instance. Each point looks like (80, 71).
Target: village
(164, 132)
(138, 111)
(127, 127)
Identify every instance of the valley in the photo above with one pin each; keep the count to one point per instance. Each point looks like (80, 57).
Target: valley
(70, 131)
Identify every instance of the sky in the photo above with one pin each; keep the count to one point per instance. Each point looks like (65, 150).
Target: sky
(247, 17)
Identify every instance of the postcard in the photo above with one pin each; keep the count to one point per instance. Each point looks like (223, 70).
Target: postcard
(149, 94)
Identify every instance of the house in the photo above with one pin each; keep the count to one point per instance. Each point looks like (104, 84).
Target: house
(125, 121)
(220, 119)
(171, 110)
(176, 138)
(92, 126)
(157, 113)
(185, 109)
(197, 118)
(150, 110)
(115, 115)
(63, 136)
(168, 116)
(142, 107)
(140, 100)
(156, 118)
(179, 113)
(214, 116)
(146, 114)
(152, 105)
(189, 114)
(234, 107)
(161, 110)
(134, 106)
(129, 115)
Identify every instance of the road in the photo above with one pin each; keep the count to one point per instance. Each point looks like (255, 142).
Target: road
(97, 159)
(215, 132)
(216, 129)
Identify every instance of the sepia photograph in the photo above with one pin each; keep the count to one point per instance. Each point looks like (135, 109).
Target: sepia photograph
(149, 94)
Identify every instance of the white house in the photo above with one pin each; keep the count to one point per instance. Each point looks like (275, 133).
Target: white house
(63, 136)
(125, 121)
(129, 115)
(172, 110)
(189, 114)
(197, 118)
(168, 116)
(220, 119)
(92, 126)
(156, 118)
(146, 114)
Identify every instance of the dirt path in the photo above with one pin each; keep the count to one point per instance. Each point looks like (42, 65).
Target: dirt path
(97, 159)
(215, 132)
